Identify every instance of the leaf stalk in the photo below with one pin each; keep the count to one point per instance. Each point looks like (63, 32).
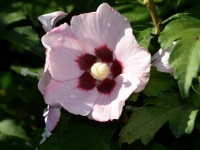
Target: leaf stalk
(156, 20)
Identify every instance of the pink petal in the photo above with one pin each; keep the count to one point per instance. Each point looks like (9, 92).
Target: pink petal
(44, 81)
(49, 20)
(109, 106)
(68, 95)
(64, 50)
(105, 26)
(52, 116)
(161, 59)
(135, 61)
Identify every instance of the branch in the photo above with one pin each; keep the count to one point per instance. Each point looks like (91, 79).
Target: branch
(156, 20)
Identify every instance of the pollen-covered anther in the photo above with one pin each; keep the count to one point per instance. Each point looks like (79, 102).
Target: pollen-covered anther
(100, 71)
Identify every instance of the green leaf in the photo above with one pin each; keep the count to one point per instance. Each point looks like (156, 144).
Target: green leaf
(185, 55)
(24, 38)
(146, 121)
(139, 146)
(195, 99)
(158, 82)
(134, 97)
(10, 18)
(190, 123)
(141, 1)
(132, 11)
(82, 135)
(123, 1)
(10, 128)
(194, 11)
(196, 85)
(61, 127)
(143, 35)
(12, 143)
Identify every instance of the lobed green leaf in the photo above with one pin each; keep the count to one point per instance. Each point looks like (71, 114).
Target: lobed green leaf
(146, 121)
(185, 55)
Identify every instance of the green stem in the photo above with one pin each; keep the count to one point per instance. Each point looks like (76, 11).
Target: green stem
(156, 20)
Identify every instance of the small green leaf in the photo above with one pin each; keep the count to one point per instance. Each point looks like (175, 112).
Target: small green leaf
(143, 35)
(146, 121)
(158, 82)
(190, 123)
(195, 99)
(134, 97)
(185, 55)
(10, 128)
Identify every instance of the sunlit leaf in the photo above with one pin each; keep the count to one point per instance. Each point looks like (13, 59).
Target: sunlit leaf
(10, 128)
(190, 123)
(146, 121)
(185, 55)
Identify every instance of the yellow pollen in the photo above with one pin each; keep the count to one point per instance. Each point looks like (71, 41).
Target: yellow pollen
(100, 71)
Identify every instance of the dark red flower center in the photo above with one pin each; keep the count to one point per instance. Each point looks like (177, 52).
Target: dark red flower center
(104, 54)
(86, 61)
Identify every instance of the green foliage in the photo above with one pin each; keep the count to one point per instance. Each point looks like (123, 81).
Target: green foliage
(23, 104)
(10, 128)
(139, 146)
(12, 142)
(195, 99)
(158, 82)
(143, 35)
(82, 134)
(133, 97)
(61, 127)
(24, 38)
(185, 55)
(186, 143)
(196, 85)
(146, 121)
(191, 122)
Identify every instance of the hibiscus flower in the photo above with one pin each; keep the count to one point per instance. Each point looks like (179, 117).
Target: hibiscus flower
(95, 64)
